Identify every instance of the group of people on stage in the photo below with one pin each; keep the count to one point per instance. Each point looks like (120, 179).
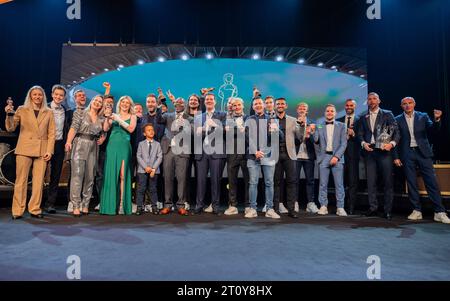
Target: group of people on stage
(110, 149)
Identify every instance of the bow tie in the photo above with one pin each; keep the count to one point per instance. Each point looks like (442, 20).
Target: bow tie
(329, 122)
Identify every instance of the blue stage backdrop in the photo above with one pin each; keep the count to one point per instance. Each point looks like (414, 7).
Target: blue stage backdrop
(236, 77)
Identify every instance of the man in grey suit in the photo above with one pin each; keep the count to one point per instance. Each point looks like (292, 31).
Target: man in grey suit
(331, 136)
(176, 152)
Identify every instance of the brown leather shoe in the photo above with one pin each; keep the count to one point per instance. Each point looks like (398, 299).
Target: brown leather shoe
(165, 211)
(183, 211)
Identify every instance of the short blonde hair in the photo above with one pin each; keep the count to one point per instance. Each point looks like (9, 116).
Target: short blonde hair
(131, 104)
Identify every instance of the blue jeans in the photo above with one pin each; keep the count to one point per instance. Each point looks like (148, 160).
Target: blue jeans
(338, 177)
(254, 168)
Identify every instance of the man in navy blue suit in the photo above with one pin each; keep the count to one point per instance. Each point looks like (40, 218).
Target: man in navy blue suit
(414, 151)
(378, 152)
(212, 155)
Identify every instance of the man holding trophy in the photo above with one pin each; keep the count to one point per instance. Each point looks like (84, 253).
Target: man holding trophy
(378, 133)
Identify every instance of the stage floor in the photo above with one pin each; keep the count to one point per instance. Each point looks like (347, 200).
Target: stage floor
(207, 247)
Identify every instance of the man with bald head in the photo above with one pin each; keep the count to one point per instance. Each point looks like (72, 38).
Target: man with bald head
(378, 152)
(415, 151)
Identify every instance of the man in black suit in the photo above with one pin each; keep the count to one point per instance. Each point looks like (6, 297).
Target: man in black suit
(378, 152)
(209, 129)
(352, 153)
(63, 119)
(414, 151)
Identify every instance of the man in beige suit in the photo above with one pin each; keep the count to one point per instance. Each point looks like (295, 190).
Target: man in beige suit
(34, 148)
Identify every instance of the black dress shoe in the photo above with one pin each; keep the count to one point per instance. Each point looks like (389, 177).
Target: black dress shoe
(155, 211)
(40, 215)
(50, 210)
(217, 213)
(293, 214)
(139, 211)
(371, 213)
(16, 217)
(388, 216)
(197, 211)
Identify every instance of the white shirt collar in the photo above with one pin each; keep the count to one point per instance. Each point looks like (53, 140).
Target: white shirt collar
(375, 112)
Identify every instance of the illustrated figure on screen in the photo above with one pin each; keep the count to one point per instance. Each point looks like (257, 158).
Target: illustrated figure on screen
(227, 90)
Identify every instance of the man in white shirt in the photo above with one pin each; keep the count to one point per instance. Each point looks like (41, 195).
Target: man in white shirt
(414, 151)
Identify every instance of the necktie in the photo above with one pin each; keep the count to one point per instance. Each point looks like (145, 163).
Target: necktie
(348, 121)
(149, 148)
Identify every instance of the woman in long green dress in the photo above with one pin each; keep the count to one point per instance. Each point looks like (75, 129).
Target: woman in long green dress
(116, 191)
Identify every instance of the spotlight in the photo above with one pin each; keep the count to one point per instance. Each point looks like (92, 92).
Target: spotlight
(120, 66)
(320, 64)
(351, 72)
(74, 82)
(209, 56)
(106, 69)
(362, 76)
(333, 67)
(161, 59)
(184, 57)
(279, 58)
(255, 56)
(68, 86)
(140, 62)
(82, 77)
(301, 61)
(92, 73)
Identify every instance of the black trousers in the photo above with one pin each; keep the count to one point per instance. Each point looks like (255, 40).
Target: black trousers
(285, 165)
(146, 183)
(215, 167)
(379, 164)
(234, 162)
(56, 163)
(308, 168)
(351, 178)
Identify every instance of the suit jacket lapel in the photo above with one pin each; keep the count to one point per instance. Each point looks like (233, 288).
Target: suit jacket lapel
(416, 123)
(41, 116)
(33, 117)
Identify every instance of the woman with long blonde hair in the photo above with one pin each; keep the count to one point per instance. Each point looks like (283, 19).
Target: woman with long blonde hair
(34, 149)
(116, 191)
(83, 139)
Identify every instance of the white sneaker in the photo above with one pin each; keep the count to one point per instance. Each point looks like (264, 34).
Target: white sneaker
(272, 214)
(283, 209)
(341, 212)
(70, 207)
(246, 210)
(296, 208)
(97, 208)
(442, 218)
(264, 208)
(251, 213)
(312, 208)
(159, 205)
(133, 208)
(323, 210)
(208, 209)
(415, 215)
(187, 206)
(148, 208)
(231, 211)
